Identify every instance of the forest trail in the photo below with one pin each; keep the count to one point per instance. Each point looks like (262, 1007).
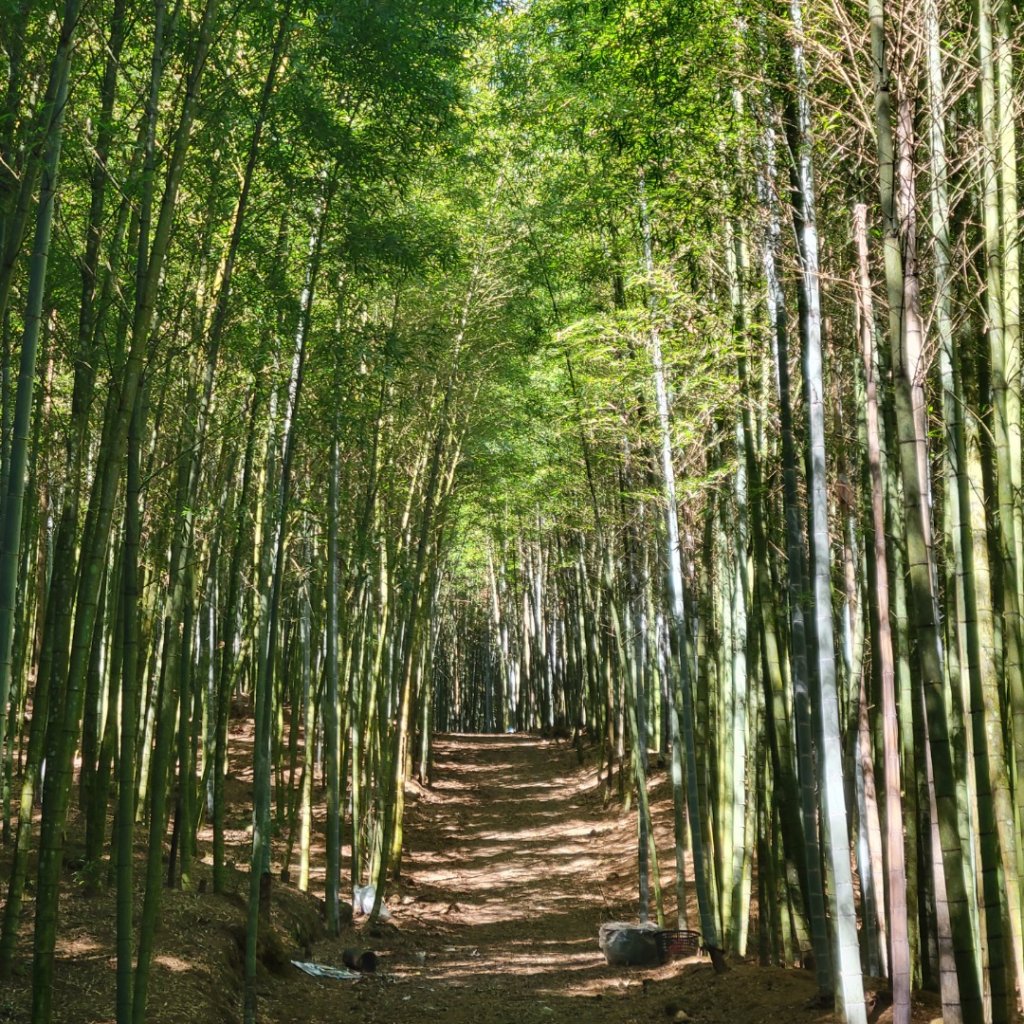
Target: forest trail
(512, 862)
(522, 848)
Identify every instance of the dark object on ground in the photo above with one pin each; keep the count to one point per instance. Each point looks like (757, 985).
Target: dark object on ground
(629, 945)
(675, 942)
(365, 962)
(645, 945)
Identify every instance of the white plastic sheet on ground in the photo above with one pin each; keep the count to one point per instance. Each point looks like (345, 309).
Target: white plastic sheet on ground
(363, 897)
(324, 971)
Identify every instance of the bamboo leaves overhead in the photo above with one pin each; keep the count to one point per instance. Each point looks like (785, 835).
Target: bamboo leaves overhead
(648, 372)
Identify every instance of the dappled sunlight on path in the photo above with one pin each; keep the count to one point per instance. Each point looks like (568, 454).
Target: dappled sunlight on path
(512, 861)
(517, 844)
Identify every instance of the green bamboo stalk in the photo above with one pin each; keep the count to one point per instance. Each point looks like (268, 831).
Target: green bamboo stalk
(10, 542)
(899, 943)
(849, 982)
(129, 715)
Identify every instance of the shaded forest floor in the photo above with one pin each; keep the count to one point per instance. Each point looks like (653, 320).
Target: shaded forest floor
(512, 863)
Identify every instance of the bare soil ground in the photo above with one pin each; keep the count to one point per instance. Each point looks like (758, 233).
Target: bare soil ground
(512, 863)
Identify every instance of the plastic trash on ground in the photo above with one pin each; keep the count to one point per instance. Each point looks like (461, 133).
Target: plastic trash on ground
(630, 945)
(325, 971)
(362, 901)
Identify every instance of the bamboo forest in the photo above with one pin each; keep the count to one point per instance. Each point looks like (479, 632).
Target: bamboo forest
(481, 479)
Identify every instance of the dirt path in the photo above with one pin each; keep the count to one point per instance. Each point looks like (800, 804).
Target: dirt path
(521, 847)
(512, 864)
